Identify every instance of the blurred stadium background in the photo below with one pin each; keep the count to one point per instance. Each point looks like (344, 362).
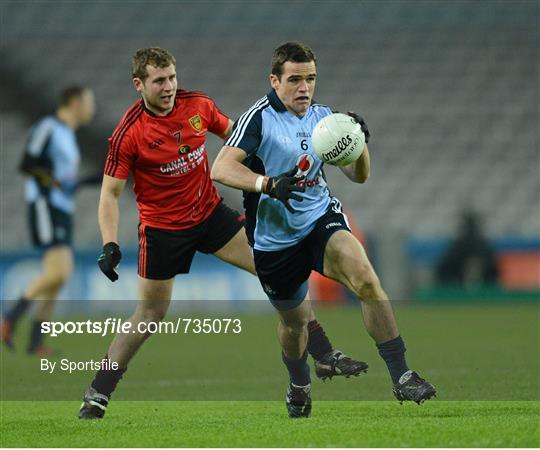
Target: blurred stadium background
(450, 91)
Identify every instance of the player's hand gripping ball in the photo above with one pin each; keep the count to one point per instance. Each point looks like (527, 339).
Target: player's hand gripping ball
(339, 139)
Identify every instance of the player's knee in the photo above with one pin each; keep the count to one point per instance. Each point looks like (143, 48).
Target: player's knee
(295, 331)
(153, 315)
(56, 279)
(367, 286)
(296, 327)
(64, 274)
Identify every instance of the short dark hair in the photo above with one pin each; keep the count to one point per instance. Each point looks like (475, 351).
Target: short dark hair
(155, 56)
(291, 51)
(71, 92)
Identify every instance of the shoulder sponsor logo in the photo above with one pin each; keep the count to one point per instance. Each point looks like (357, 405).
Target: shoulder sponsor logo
(196, 123)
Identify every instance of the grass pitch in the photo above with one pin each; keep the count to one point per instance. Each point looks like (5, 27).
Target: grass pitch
(264, 424)
(228, 391)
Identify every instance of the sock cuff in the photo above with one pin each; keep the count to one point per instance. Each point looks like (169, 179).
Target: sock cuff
(301, 361)
(396, 344)
(313, 325)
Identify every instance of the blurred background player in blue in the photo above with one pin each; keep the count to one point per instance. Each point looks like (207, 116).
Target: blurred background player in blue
(51, 164)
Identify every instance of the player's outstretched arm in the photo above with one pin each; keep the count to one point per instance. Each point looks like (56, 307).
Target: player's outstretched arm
(229, 170)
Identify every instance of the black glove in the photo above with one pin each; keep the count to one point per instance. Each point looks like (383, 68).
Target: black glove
(362, 123)
(283, 187)
(109, 259)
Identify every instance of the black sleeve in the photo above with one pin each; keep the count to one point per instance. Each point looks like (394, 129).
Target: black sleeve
(36, 161)
(29, 164)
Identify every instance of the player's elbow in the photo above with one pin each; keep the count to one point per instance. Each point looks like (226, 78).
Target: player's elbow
(362, 177)
(359, 176)
(217, 173)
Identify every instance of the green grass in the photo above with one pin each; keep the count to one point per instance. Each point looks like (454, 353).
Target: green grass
(264, 424)
(484, 360)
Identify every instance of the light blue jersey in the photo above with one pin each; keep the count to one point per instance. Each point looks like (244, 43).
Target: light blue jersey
(54, 143)
(276, 141)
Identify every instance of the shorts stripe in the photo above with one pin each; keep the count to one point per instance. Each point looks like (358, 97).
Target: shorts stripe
(44, 221)
(338, 208)
(142, 251)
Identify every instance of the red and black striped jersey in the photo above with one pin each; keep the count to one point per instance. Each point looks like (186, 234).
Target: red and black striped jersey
(168, 159)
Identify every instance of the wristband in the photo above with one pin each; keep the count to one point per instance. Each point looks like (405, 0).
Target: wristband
(259, 183)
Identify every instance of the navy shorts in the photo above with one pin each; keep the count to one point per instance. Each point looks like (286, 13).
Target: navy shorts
(284, 273)
(49, 226)
(165, 253)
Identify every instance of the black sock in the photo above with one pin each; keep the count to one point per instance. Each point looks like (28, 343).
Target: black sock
(17, 311)
(106, 380)
(393, 353)
(298, 370)
(36, 337)
(318, 343)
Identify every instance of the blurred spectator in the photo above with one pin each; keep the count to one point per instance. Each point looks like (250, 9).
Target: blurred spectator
(470, 259)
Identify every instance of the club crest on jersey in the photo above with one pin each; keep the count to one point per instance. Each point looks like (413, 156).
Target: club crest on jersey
(304, 164)
(196, 122)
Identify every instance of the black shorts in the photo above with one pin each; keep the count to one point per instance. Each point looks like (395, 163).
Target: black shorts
(284, 273)
(49, 226)
(166, 253)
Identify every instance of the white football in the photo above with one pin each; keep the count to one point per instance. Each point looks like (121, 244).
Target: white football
(338, 139)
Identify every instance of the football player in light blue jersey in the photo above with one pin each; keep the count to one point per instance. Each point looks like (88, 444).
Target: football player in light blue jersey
(295, 225)
(51, 162)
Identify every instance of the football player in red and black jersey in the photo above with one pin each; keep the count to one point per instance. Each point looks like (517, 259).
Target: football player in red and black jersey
(161, 141)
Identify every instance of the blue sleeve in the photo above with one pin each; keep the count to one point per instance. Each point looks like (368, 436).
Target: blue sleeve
(247, 132)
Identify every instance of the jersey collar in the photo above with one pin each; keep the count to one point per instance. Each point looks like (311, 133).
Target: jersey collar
(275, 102)
(154, 115)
